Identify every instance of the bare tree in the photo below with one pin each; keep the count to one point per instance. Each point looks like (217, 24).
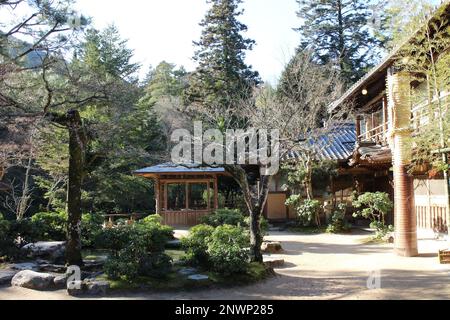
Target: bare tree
(295, 111)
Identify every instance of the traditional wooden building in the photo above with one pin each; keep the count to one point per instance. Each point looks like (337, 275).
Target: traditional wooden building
(387, 119)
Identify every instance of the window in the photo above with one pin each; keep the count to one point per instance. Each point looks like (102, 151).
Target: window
(176, 197)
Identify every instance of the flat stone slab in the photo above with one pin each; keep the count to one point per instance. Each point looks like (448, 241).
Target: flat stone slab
(188, 271)
(6, 276)
(198, 277)
(52, 268)
(25, 266)
(173, 244)
(33, 280)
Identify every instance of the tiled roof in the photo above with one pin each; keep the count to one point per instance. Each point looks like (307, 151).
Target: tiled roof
(337, 144)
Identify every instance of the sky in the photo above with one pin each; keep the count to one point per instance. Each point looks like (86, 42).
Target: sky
(160, 30)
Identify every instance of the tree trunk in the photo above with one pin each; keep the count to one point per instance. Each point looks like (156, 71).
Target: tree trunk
(255, 199)
(25, 198)
(77, 148)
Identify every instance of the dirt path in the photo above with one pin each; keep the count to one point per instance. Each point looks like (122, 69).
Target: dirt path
(322, 267)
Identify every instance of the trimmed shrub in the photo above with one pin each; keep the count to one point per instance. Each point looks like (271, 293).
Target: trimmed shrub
(224, 216)
(338, 223)
(223, 249)
(228, 250)
(374, 206)
(307, 210)
(138, 250)
(153, 218)
(232, 217)
(196, 245)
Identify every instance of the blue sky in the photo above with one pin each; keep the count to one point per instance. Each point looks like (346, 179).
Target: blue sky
(164, 29)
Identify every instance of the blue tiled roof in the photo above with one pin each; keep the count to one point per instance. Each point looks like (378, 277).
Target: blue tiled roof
(337, 143)
(170, 167)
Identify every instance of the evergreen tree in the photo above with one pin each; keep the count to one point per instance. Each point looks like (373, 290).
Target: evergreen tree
(222, 76)
(105, 52)
(345, 33)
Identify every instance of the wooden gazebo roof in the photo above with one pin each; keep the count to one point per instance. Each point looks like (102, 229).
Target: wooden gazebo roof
(170, 168)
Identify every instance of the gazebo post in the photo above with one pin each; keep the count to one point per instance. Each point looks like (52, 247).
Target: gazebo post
(209, 195)
(187, 195)
(216, 193)
(158, 196)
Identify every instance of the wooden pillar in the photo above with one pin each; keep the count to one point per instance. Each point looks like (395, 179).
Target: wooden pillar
(399, 91)
(158, 196)
(385, 116)
(216, 193)
(165, 197)
(209, 195)
(187, 195)
(358, 129)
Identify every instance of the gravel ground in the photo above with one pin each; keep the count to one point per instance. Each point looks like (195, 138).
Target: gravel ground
(322, 266)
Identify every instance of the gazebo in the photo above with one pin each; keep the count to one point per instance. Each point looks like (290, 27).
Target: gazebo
(184, 194)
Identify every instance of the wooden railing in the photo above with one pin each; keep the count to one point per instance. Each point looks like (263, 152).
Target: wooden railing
(377, 135)
(432, 217)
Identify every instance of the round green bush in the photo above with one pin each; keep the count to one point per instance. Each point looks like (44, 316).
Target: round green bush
(228, 249)
(220, 217)
(137, 250)
(196, 245)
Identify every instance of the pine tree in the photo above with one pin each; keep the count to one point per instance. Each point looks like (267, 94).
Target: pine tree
(222, 76)
(345, 33)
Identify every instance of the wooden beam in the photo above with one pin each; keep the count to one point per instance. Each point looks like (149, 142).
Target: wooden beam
(183, 181)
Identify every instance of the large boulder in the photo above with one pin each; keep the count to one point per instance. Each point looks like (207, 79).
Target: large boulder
(88, 287)
(33, 280)
(6, 276)
(60, 281)
(271, 247)
(53, 251)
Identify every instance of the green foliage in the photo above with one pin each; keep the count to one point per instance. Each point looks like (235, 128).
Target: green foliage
(50, 226)
(220, 217)
(340, 32)
(228, 250)
(196, 245)
(233, 217)
(222, 75)
(91, 226)
(223, 249)
(307, 210)
(338, 223)
(107, 54)
(374, 206)
(152, 219)
(6, 241)
(321, 171)
(138, 250)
